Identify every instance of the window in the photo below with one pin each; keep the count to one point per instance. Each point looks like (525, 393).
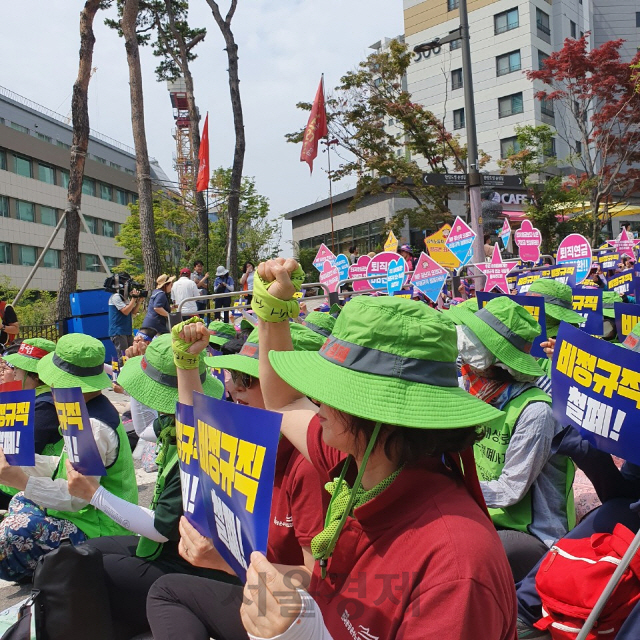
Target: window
(121, 197)
(22, 166)
(508, 63)
(578, 148)
(455, 44)
(64, 178)
(542, 22)
(44, 137)
(19, 127)
(111, 262)
(27, 255)
(376, 83)
(51, 259)
(551, 149)
(638, 19)
(92, 262)
(542, 56)
(452, 4)
(5, 253)
(45, 174)
(391, 122)
(508, 146)
(99, 159)
(25, 211)
(92, 223)
(88, 187)
(458, 119)
(4, 207)
(48, 216)
(573, 29)
(456, 79)
(115, 165)
(131, 172)
(108, 229)
(510, 105)
(546, 108)
(64, 145)
(3, 159)
(506, 21)
(105, 191)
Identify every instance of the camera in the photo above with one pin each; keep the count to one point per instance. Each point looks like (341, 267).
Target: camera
(123, 284)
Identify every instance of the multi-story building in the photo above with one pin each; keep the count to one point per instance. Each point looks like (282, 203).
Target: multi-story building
(35, 147)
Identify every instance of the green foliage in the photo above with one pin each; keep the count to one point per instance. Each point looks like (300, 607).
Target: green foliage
(35, 307)
(305, 258)
(176, 235)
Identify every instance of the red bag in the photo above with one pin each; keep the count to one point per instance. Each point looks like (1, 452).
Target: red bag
(572, 577)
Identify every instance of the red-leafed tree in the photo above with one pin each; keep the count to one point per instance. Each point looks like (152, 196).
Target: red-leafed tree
(597, 93)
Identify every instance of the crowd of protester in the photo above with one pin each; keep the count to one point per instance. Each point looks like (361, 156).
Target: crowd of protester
(421, 477)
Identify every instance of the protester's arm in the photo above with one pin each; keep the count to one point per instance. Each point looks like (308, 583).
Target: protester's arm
(192, 338)
(142, 418)
(528, 452)
(199, 550)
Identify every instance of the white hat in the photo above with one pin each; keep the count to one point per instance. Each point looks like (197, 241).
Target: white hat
(221, 271)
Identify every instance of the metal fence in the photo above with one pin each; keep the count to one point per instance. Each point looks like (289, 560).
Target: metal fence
(49, 331)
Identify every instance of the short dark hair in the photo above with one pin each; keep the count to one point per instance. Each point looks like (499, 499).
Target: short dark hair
(148, 331)
(486, 237)
(198, 262)
(232, 346)
(246, 264)
(353, 249)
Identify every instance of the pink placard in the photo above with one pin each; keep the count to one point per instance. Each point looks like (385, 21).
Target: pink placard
(496, 271)
(359, 270)
(576, 248)
(625, 245)
(378, 267)
(324, 255)
(330, 276)
(528, 239)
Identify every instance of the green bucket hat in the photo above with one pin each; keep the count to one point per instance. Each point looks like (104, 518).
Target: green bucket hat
(508, 331)
(223, 333)
(558, 300)
(152, 378)
(31, 351)
(609, 298)
(389, 360)
(78, 361)
(246, 361)
(456, 312)
(321, 323)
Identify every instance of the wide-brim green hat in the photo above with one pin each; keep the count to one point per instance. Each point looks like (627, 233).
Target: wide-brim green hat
(31, 351)
(558, 300)
(609, 298)
(223, 333)
(152, 379)
(78, 361)
(508, 331)
(320, 322)
(246, 361)
(388, 360)
(455, 312)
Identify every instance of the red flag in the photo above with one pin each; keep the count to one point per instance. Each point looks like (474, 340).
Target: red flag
(203, 158)
(316, 129)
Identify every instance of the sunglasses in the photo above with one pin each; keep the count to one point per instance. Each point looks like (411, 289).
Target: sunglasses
(244, 379)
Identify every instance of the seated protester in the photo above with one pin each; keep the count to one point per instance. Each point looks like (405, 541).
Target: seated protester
(7, 371)
(527, 490)
(320, 322)
(389, 403)
(44, 512)
(48, 440)
(186, 606)
(131, 563)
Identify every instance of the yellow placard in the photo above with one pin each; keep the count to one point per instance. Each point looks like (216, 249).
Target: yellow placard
(439, 251)
(392, 242)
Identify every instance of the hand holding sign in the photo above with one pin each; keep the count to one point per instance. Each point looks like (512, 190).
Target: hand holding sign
(17, 416)
(12, 476)
(199, 550)
(80, 486)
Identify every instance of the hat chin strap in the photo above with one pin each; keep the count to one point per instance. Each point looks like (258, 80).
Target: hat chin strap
(352, 498)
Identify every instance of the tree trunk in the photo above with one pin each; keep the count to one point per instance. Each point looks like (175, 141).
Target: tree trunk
(80, 118)
(150, 253)
(238, 122)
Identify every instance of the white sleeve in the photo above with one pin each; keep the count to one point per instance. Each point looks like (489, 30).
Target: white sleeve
(54, 494)
(309, 625)
(44, 467)
(142, 418)
(138, 519)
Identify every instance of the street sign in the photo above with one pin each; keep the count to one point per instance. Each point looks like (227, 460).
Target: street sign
(497, 180)
(444, 179)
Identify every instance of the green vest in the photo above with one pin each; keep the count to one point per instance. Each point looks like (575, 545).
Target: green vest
(149, 549)
(120, 480)
(490, 455)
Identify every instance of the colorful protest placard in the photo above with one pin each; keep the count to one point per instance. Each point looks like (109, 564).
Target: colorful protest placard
(505, 234)
(534, 305)
(359, 270)
(622, 282)
(324, 255)
(396, 275)
(436, 245)
(193, 502)
(528, 239)
(392, 242)
(77, 434)
(595, 390)
(588, 303)
(607, 259)
(237, 448)
(460, 241)
(429, 277)
(496, 271)
(561, 273)
(342, 264)
(627, 317)
(576, 249)
(17, 417)
(626, 245)
(330, 277)
(378, 268)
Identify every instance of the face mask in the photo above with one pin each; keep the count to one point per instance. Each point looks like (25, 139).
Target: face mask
(472, 351)
(609, 327)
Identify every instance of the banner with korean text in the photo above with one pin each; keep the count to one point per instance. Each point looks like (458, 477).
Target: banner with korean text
(237, 448)
(596, 389)
(565, 273)
(627, 317)
(588, 303)
(17, 415)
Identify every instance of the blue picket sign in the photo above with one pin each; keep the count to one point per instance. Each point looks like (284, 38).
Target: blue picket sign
(17, 417)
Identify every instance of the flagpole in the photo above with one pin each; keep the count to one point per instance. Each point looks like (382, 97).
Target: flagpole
(333, 243)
